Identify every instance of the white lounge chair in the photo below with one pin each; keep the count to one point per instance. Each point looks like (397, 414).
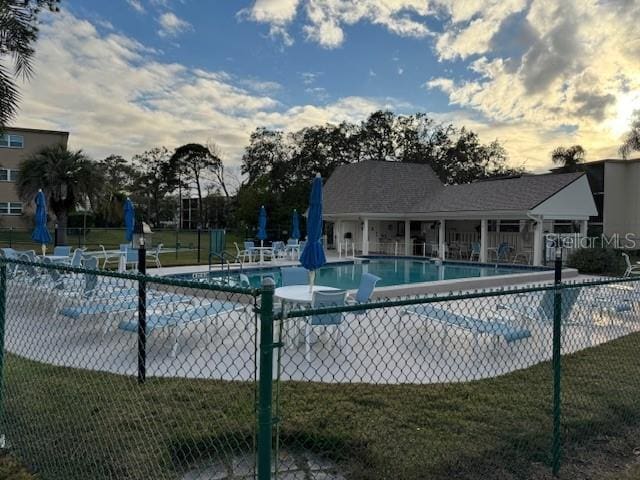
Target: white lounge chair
(122, 302)
(179, 319)
(475, 326)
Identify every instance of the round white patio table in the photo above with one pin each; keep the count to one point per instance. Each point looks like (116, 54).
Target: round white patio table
(297, 295)
(300, 294)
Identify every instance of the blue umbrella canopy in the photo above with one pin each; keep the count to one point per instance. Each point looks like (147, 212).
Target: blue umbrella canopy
(129, 220)
(40, 234)
(295, 226)
(262, 224)
(313, 256)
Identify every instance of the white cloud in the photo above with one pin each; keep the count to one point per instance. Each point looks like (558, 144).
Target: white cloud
(277, 13)
(136, 5)
(325, 19)
(171, 25)
(114, 96)
(309, 77)
(562, 67)
(555, 72)
(471, 25)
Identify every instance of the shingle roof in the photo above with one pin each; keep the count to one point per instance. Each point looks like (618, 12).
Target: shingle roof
(394, 187)
(515, 194)
(379, 187)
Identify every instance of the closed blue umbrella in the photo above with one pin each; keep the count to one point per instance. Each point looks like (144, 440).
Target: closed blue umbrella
(312, 256)
(295, 226)
(129, 220)
(40, 233)
(262, 225)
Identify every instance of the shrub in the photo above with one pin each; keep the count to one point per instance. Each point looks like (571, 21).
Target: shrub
(601, 261)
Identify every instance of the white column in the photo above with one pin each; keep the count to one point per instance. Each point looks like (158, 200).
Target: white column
(441, 239)
(484, 239)
(365, 236)
(584, 226)
(538, 242)
(407, 237)
(338, 237)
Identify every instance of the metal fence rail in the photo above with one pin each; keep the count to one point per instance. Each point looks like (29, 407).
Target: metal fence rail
(84, 398)
(108, 375)
(497, 384)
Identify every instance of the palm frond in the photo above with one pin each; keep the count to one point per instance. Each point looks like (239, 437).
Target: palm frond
(9, 96)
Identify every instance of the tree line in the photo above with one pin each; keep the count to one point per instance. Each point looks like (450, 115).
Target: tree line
(154, 180)
(278, 167)
(276, 171)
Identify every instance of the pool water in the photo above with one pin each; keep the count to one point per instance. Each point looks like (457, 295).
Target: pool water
(392, 271)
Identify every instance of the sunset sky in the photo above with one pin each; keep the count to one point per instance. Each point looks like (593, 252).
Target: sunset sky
(126, 75)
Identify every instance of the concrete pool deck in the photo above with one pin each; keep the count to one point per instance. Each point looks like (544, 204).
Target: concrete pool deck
(384, 347)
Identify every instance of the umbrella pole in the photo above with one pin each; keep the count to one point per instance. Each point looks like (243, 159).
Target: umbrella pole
(44, 249)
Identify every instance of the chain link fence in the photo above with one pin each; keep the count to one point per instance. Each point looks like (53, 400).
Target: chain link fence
(505, 384)
(110, 375)
(89, 394)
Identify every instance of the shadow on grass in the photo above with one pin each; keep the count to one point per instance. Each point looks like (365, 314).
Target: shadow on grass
(74, 424)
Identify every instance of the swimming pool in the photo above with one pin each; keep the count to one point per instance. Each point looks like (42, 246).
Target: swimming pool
(392, 271)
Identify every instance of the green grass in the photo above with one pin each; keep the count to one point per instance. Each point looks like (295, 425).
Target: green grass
(71, 424)
(11, 469)
(186, 240)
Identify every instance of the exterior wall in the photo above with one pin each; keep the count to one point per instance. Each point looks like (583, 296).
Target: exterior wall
(574, 201)
(622, 198)
(10, 158)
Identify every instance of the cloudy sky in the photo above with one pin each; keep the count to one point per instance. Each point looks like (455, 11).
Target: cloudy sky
(126, 75)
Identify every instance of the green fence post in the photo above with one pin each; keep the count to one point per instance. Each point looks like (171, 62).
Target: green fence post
(557, 371)
(265, 388)
(142, 309)
(3, 304)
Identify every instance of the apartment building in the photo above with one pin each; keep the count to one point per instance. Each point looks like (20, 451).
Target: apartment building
(15, 145)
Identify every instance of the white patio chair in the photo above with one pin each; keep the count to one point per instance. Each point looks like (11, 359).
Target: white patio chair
(243, 255)
(632, 268)
(154, 254)
(327, 320)
(109, 258)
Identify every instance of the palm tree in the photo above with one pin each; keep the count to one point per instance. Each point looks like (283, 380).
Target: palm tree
(18, 33)
(569, 158)
(632, 138)
(67, 179)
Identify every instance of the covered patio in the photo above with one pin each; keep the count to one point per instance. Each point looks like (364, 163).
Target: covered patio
(403, 209)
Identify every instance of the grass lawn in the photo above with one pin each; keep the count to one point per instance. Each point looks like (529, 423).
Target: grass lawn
(71, 424)
(112, 238)
(10, 469)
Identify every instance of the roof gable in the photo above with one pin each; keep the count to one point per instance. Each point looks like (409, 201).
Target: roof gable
(380, 187)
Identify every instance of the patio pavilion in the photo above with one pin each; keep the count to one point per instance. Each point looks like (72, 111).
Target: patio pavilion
(403, 208)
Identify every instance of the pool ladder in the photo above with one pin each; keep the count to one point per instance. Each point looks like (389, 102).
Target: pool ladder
(225, 265)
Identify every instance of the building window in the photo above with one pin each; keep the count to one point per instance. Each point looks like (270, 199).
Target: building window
(11, 141)
(10, 208)
(8, 175)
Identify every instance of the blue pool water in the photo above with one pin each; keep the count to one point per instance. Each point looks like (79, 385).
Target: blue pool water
(392, 271)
